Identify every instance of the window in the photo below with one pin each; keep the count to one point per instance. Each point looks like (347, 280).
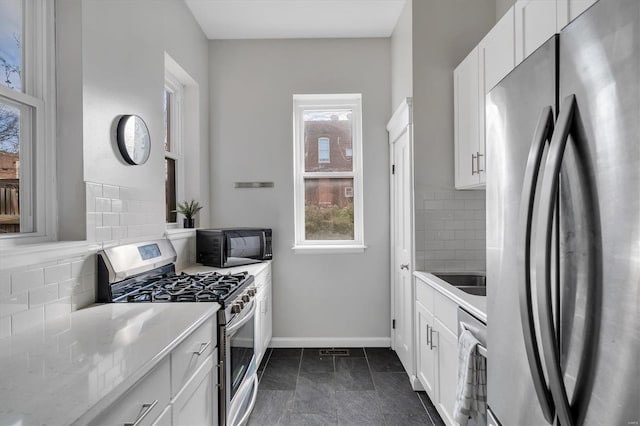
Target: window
(173, 115)
(324, 152)
(328, 172)
(27, 126)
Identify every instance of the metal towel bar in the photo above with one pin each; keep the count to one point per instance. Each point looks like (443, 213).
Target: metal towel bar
(482, 350)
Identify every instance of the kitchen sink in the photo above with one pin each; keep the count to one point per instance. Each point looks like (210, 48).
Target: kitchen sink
(474, 284)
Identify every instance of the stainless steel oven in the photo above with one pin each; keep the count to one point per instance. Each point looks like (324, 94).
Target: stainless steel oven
(239, 381)
(145, 272)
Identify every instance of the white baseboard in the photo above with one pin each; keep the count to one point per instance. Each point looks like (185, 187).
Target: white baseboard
(330, 342)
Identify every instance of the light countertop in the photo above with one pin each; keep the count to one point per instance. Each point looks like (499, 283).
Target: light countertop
(475, 305)
(70, 369)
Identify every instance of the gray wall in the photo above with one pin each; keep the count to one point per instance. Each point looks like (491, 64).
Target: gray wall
(402, 58)
(502, 6)
(449, 224)
(111, 63)
(251, 86)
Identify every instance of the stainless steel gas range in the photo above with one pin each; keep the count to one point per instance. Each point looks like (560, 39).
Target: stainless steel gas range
(145, 273)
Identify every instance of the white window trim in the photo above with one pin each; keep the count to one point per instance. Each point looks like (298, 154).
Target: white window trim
(39, 84)
(176, 87)
(337, 101)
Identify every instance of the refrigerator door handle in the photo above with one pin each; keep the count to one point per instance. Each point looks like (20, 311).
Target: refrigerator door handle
(548, 197)
(543, 133)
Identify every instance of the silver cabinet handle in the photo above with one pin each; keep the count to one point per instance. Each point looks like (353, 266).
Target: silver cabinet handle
(431, 345)
(404, 266)
(203, 347)
(428, 335)
(146, 409)
(542, 134)
(548, 197)
(478, 162)
(473, 163)
(220, 383)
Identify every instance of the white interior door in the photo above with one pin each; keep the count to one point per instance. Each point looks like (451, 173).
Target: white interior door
(402, 249)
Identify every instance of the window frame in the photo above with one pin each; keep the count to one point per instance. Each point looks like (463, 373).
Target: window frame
(324, 140)
(38, 210)
(303, 103)
(175, 86)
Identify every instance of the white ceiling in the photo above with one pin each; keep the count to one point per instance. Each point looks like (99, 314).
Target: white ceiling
(258, 19)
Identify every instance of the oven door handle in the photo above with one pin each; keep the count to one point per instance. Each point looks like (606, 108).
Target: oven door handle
(248, 316)
(252, 404)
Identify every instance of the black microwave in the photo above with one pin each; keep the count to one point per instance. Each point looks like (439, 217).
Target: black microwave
(226, 247)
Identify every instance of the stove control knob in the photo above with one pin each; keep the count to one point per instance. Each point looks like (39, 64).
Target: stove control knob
(245, 298)
(236, 309)
(252, 292)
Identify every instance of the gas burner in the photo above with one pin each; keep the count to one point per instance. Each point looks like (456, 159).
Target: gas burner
(171, 287)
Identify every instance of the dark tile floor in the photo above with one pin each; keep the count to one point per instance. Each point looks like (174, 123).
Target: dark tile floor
(367, 387)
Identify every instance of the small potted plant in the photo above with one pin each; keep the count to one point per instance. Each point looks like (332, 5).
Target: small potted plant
(189, 209)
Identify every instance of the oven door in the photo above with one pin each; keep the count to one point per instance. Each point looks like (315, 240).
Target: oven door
(241, 366)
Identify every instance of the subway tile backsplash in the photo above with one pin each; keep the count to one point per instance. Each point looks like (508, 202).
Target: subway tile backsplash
(42, 291)
(450, 230)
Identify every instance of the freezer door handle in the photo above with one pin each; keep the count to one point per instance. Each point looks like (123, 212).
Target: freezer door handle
(548, 199)
(543, 133)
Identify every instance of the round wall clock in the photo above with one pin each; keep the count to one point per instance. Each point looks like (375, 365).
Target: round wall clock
(134, 142)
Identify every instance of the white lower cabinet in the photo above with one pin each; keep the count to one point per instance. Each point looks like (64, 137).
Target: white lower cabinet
(437, 348)
(181, 390)
(196, 404)
(263, 324)
(426, 359)
(143, 402)
(447, 342)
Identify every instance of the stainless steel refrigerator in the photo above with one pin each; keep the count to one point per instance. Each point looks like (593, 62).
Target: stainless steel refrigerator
(563, 227)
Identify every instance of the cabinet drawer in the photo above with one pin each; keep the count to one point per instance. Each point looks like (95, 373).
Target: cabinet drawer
(446, 311)
(424, 294)
(148, 398)
(190, 354)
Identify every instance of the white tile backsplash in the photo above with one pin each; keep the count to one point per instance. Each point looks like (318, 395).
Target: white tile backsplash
(450, 230)
(45, 290)
(40, 291)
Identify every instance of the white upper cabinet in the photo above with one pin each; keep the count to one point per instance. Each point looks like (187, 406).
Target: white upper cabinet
(482, 69)
(524, 28)
(536, 22)
(496, 54)
(466, 116)
(568, 10)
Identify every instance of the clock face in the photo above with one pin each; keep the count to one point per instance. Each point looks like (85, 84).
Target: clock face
(133, 139)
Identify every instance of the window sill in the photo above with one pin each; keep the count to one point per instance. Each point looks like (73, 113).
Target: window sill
(329, 249)
(176, 233)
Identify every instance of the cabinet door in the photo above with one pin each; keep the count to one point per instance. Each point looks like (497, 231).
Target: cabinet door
(426, 359)
(536, 22)
(257, 326)
(197, 403)
(496, 56)
(466, 115)
(447, 343)
(267, 320)
(568, 10)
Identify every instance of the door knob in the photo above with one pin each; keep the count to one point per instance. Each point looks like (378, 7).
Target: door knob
(404, 266)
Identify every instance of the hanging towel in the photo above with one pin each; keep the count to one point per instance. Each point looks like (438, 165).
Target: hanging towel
(471, 395)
